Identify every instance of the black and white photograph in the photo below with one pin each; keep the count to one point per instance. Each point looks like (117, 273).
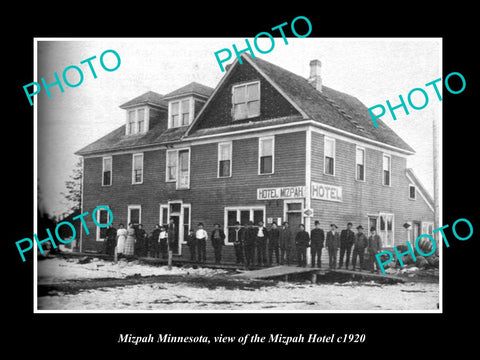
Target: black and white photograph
(211, 175)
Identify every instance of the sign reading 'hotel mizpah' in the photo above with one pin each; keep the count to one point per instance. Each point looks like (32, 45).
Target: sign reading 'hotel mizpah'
(318, 191)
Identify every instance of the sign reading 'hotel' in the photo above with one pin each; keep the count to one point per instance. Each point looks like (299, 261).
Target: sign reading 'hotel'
(318, 191)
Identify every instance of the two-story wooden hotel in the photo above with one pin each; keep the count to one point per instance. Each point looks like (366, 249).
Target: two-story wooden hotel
(265, 144)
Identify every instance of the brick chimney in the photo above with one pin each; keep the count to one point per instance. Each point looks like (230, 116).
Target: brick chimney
(315, 79)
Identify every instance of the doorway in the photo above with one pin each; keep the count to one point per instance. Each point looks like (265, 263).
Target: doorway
(293, 213)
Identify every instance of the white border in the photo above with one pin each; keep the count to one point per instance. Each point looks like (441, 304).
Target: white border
(263, 311)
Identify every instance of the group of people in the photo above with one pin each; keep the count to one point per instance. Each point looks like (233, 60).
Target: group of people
(281, 242)
(134, 240)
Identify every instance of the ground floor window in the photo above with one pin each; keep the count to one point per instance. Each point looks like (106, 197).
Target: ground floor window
(242, 214)
(103, 218)
(385, 225)
(134, 215)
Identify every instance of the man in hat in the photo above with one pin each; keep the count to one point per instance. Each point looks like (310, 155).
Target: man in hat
(287, 239)
(249, 238)
(374, 247)
(236, 235)
(317, 239)
(332, 243)
(218, 240)
(361, 242)
(347, 238)
(302, 241)
(273, 243)
(201, 238)
(262, 237)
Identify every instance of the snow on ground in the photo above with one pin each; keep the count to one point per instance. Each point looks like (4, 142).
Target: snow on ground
(181, 296)
(58, 270)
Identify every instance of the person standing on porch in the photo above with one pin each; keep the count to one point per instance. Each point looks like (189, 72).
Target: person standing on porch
(273, 244)
(250, 238)
(130, 242)
(374, 247)
(121, 238)
(317, 237)
(110, 240)
(262, 236)
(287, 241)
(192, 245)
(153, 246)
(302, 241)
(361, 243)
(162, 242)
(347, 238)
(236, 235)
(201, 237)
(218, 240)
(332, 243)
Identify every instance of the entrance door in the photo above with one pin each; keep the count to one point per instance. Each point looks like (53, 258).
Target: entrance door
(415, 231)
(294, 219)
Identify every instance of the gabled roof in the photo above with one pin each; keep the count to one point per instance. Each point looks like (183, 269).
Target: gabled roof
(331, 108)
(117, 140)
(149, 98)
(193, 88)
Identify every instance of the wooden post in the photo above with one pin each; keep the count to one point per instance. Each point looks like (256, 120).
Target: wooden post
(314, 278)
(170, 253)
(115, 255)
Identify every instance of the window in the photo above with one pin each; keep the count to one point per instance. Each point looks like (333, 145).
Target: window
(360, 161)
(180, 113)
(141, 120)
(171, 165)
(134, 214)
(107, 171)
(136, 121)
(224, 159)
(427, 227)
(131, 122)
(184, 169)
(137, 169)
(329, 151)
(163, 215)
(246, 100)
(411, 192)
(186, 221)
(386, 169)
(103, 218)
(178, 167)
(265, 153)
(243, 214)
(385, 229)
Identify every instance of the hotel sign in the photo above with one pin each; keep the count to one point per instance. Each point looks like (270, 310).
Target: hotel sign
(318, 191)
(326, 192)
(287, 192)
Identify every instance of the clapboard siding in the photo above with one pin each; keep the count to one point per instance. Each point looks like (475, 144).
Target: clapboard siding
(365, 197)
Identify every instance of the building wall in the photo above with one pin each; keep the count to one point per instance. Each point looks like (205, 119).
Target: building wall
(208, 194)
(360, 198)
(219, 111)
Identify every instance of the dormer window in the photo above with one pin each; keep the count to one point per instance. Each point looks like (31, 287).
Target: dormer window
(181, 113)
(246, 100)
(136, 121)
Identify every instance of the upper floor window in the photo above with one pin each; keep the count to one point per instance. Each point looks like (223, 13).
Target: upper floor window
(387, 164)
(246, 100)
(136, 121)
(107, 171)
(178, 168)
(329, 151)
(180, 113)
(137, 168)
(412, 192)
(360, 161)
(266, 149)
(225, 159)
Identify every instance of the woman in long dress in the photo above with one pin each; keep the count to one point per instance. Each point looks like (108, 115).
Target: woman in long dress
(121, 237)
(130, 241)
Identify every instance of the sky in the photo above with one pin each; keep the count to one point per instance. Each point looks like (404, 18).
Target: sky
(372, 70)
